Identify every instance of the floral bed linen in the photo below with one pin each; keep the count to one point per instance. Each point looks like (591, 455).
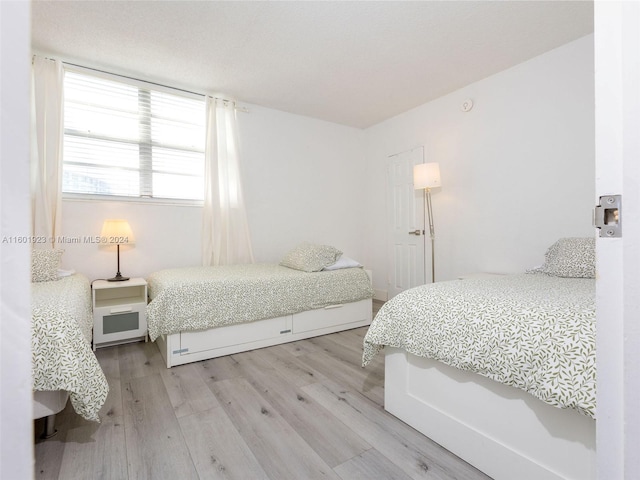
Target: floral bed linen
(61, 326)
(199, 298)
(532, 331)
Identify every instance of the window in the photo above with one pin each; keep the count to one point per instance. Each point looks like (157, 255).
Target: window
(131, 139)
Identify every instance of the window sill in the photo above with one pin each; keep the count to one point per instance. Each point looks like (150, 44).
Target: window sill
(77, 197)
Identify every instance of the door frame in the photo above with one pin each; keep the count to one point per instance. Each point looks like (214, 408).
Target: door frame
(617, 95)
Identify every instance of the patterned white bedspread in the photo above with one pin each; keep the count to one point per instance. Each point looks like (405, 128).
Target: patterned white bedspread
(532, 331)
(199, 298)
(61, 325)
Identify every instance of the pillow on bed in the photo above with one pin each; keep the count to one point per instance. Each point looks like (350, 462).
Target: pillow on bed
(571, 257)
(343, 262)
(309, 257)
(45, 264)
(65, 273)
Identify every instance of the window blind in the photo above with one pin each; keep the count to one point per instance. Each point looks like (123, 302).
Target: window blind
(131, 140)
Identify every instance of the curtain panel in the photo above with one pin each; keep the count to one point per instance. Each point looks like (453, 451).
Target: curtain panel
(225, 231)
(46, 149)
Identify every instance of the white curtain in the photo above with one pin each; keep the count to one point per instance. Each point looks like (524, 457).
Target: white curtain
(46, 148)
(225, 231)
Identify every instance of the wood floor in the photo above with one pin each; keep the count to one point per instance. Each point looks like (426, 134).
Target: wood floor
(304, 410)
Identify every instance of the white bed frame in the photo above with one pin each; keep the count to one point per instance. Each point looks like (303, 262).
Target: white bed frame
(48, 404)
(501, 430)
(193, 346)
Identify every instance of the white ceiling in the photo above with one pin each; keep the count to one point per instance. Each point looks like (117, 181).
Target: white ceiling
(355, 63)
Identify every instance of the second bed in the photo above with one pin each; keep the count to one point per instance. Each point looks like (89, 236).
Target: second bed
(199, 313)
(454, 351)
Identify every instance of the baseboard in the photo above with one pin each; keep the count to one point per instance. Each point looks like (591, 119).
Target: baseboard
(381, 295)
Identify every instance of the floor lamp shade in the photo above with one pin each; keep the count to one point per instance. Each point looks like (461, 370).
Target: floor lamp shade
(117, 232)
(425, 177)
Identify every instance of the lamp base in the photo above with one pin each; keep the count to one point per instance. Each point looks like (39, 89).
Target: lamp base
(117, 278)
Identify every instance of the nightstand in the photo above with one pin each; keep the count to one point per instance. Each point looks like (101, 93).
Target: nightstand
(119, 312)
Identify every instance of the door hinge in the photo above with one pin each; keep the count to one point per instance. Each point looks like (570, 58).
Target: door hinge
(607, 216)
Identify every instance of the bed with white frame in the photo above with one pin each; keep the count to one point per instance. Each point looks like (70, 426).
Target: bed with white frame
(199, 313)
(64, 366)
(445, 343)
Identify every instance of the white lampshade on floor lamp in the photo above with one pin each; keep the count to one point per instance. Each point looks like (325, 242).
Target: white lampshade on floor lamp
(425, 177)
(117, 232)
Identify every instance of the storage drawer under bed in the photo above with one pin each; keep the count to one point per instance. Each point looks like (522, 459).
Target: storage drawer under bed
(185, 347)
(235, 334)
(331, 316)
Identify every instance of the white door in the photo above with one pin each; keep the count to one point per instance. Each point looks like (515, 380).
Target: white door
(617, 93)
(406, 223)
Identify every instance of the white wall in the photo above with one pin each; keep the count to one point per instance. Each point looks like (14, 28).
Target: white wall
(517, 170)
(166, 236)
(303, 180)
(16, 424)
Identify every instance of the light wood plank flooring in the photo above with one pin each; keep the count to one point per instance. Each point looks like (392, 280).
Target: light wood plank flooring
(303, 410)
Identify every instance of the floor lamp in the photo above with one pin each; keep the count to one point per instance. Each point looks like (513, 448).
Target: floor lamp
(425, 177)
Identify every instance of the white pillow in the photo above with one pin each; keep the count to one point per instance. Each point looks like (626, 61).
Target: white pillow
(343, 262)
(65, 273)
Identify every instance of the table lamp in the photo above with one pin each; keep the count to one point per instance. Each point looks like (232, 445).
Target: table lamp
(117, 232)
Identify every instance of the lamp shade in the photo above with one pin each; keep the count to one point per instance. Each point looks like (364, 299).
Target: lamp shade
(426, 175)
(117, 232)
